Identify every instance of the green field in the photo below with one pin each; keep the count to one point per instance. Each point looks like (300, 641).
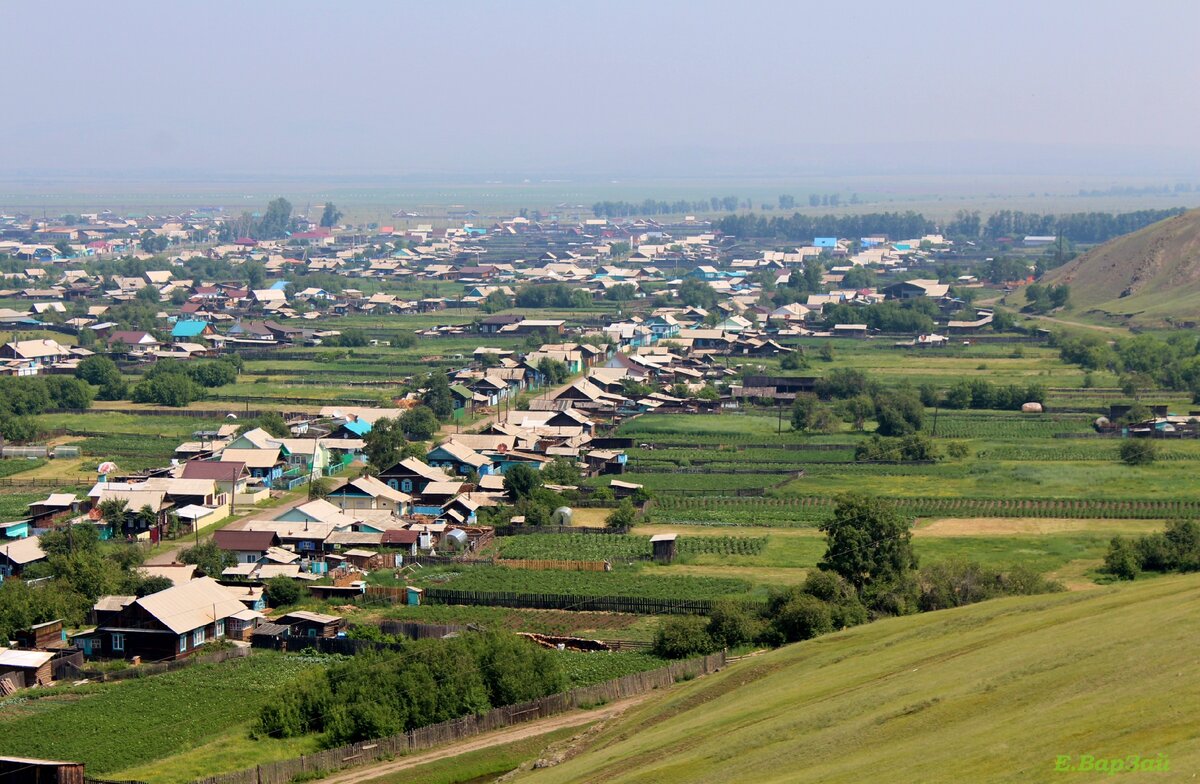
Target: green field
(648, 583)
(136, 722)
(1012, 683)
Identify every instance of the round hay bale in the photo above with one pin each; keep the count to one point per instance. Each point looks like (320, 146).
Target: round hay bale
(1031, 408)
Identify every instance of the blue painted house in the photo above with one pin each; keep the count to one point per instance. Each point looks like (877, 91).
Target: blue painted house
(459, 460)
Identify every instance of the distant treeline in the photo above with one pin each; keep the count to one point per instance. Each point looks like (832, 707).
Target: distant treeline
(626, 209)
(1077, 227)
(803, 228)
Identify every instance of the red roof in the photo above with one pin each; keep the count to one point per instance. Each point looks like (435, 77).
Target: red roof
(212, 469)
(252, 541)
(398, 536)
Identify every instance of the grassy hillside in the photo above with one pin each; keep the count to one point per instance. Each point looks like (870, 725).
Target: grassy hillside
(989, 693)
(1149, 277)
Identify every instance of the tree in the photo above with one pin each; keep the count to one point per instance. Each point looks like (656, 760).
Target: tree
(330, 215)
(520, 481)
(1122, 559)
(281, 591)
(276, 222)
(115, 513)
(561, 471)
(170, 389)
(102, 372)
(697, 293)
(271, 421)
(731, 624)
(419, 424)
(682, 637)
(208, 558)
(438, 396)
(624, 516)
(555, 371)
(319, 488)
(794, 360)
(841, 383)
(867, 542)
(153, 584)
(1138, 451)
(495, 302)
(384, 443)
(801, 617)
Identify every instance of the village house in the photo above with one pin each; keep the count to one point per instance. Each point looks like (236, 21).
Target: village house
(170, 624)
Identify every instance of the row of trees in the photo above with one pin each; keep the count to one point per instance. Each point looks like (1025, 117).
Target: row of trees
(1077, 226)
(386, 692)
(869, 570)
(1142, 361)
(803, 228)
(21, 399)
(1176, 549)
(647, 207)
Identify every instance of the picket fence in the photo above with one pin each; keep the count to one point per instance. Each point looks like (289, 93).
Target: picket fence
(366, 752)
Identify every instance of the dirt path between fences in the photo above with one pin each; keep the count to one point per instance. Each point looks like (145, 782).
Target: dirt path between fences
(512, 734)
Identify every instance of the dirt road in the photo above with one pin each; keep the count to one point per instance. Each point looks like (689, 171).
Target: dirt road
(498, 738)
(171, 554)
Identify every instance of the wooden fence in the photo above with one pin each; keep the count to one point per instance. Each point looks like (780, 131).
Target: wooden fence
(449, 732)
(158, 668)
(379, 594)
(518, 530)
(555, 564)
(554, 601)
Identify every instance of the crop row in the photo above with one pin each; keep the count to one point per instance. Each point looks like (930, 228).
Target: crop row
(185, 708)
(1073, 452)
(966, 425)
(590, 547)
(803, 509)
(646, 585)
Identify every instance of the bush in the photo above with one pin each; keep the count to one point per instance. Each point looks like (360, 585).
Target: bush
(682, 637)
(281, 591)
(802, 617)
(731, 624)
(1138, 451)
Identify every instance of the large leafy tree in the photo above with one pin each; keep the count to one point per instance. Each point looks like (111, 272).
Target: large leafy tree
(384, 444)
(330, 215)
(867, 542)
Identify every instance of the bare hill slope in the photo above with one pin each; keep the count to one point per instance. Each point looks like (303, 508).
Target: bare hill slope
(1149, 277)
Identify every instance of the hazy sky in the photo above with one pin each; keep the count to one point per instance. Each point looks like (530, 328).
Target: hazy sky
(601, 88)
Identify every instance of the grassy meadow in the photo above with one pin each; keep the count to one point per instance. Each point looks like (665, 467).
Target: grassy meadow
(994, 692)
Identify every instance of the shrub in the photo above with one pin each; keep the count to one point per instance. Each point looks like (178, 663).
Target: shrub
(281, 591)
(802, 617)
(731, 624)
(1138, 451)
(683, 636)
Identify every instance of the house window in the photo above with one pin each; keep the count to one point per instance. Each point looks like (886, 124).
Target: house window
(198, 637)
(118, 642)
(219, 629)
(406, 486)
(182, 643)
(392, 484)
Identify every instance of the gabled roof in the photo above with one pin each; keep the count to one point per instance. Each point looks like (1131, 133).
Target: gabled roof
(250, 541)
(191, 605)
(216, 470)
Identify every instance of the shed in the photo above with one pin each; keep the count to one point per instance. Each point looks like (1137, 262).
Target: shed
(34, 665)
(39, 771)
(413, 596)
(310, 624)
(664, 547)
(41, 635)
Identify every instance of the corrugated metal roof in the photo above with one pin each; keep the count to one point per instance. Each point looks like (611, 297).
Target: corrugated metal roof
(191, 605)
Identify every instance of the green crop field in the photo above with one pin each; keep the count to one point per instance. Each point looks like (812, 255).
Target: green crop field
(586, 669)
(649, 583)
(595, 547)
(1015, 682)
(120, 725)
